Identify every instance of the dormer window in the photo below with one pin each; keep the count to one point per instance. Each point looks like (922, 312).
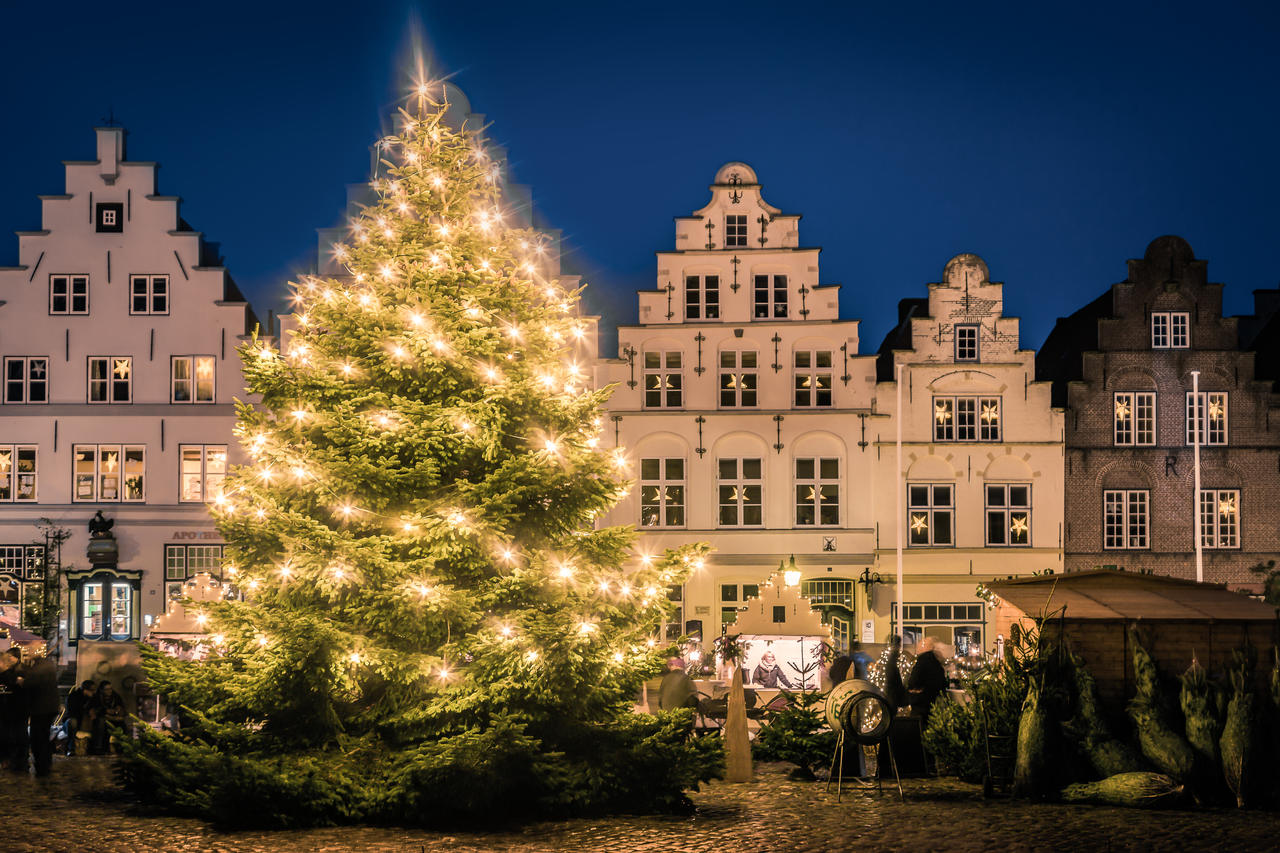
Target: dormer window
(701, 297)
(966, 343)
(109, 218)
(1170, 330)
(735, 231)
(770, 297)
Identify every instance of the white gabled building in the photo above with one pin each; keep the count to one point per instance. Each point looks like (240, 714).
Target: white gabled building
(743, 407)
(118, 332)
(982, 459)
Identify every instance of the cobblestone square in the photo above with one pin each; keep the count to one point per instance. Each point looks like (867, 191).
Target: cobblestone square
(80, 808)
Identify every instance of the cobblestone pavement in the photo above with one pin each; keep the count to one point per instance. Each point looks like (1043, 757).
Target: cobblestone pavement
(80, 808)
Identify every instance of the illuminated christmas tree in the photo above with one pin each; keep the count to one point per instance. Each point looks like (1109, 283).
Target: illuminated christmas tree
(432, 628)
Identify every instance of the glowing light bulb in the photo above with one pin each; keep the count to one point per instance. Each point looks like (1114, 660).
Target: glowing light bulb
(260, 513)
(254, 584)
(346, 510)
(416, 319)
(354, 657)
(218, 639)
(444, 673)
(339, 573)
(202, 619)
(531, 655)
(407, 527)
(585, 628)
(457, 519)
(423, 590)
(617, 657)
(625, 589)
(604, 586)
(262, 640)
(347, 369)
(300, 415)
(398, 351)
(505, 631)
(285, 571)
(551, 445)
(508, 556)
(566, 571)
(299, 473)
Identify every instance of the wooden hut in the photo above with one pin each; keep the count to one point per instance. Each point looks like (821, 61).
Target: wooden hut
(1177, 619)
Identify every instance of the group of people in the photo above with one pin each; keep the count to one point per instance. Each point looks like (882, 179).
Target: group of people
(29, 702)
(30, 705)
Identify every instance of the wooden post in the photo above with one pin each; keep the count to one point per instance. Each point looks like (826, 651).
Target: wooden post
(737, 744)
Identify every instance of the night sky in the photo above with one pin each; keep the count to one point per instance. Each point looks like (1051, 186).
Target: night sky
(1055, 143)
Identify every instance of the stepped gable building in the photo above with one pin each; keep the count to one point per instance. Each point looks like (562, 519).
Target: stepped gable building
(1122, 366)
(981, 478)
(743, 406)
(118, 332)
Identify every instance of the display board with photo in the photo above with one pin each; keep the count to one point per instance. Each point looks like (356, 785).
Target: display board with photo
(790, 663)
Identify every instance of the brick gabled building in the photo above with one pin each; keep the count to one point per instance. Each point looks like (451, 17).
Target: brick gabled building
(1122, 367)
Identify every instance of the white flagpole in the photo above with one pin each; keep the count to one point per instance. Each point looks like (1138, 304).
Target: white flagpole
(1195, 450)
(900, 512)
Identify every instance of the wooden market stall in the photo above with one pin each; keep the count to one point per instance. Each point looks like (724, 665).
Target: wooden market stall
(1177, 618)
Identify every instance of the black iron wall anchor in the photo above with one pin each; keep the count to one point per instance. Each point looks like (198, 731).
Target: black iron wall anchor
(699, 338)
(670, 288)
(700, 420)
(844, 348)
(710, 240)
(777, 420)
(777, 365)
(735, 261)
(617, 425)
(764, 223)
(631, 352)
(735, 194)
(862, 444)
(804, 302)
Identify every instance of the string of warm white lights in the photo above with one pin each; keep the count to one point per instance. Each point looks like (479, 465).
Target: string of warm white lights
(445, 343)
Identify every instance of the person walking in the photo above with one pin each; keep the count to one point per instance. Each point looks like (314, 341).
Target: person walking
(13, 712)
(39, 677)
(927, 681)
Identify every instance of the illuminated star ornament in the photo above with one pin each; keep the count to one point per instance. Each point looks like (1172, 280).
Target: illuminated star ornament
(919, 523)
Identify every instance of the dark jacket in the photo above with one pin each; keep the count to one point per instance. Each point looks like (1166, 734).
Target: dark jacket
(40, 678)
(927, 680)
(13, 699)
(763, 677)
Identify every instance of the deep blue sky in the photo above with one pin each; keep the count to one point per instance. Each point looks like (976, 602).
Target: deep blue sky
(1054, 142)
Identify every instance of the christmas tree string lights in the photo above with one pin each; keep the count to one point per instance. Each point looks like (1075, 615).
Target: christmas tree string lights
(426, 597)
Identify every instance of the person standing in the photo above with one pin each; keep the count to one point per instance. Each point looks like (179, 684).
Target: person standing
(13, 712)
(676, 689)
(39, 677)
(108, 710)
(927, 681)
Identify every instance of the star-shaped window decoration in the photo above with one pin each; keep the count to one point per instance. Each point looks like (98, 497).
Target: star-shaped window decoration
(121, 368)
(109, 461)
(919, 523)
(1018, 526)
(942, 413)
(4, 462)
(990, 412)
(1227, 506)
(37, 370)
(1215, 410)
(1122, 410)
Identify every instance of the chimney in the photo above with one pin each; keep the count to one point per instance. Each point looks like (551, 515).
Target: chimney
(110, 152)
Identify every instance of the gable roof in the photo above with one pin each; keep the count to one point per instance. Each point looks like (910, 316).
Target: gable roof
(1105, 594)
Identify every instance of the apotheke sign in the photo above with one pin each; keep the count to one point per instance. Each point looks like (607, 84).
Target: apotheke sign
(197, 534)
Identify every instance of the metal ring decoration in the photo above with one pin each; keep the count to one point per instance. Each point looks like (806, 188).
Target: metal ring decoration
(860, 710)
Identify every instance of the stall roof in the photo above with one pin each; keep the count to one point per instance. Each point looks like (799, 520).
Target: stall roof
(1108, 595)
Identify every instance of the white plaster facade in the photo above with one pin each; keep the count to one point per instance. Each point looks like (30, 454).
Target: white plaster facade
(115, 274)
(982, 464)
(740, 399)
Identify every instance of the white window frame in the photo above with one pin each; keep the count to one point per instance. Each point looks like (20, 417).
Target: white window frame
(664, 377)
(923, 515)
(737, 491)
(769, 297)
(1220, 518)
(966, 419)
(26, 365)
(1014, 516)
(199, 480)
(1170, 330)
(817, 492)
(702, 297)
(1213, 417)
(1126, 519)
(197, 390)
(149, 295)
(111, 366)
(735, 230)
(739, 381)
(72, 282)
(101, 474)
(13, 458)
(669, 505)
(968, 342)
(1133, 418)
(809, 378)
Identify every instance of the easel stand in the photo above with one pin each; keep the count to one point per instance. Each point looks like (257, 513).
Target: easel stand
(837, 769)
